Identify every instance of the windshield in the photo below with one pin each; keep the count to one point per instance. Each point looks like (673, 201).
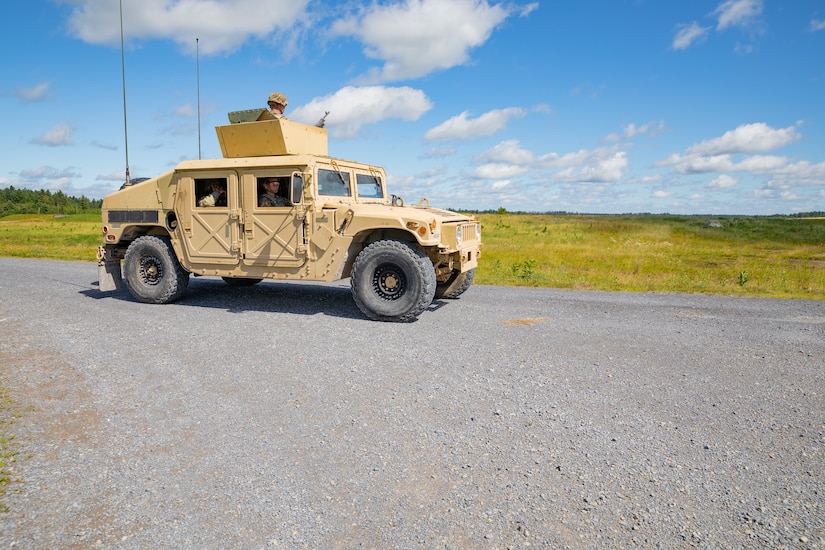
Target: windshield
(333, 184)
(369, 186)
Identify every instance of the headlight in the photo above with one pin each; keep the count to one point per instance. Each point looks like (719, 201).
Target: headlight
(458, 234)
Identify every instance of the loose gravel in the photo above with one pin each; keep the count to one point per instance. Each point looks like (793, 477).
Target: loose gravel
(277, 416)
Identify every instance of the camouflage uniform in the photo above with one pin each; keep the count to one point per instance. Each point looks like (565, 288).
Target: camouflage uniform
(277, 97)
(272, 200)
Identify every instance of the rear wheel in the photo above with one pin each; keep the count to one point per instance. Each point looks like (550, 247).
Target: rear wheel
(456, 285)
(152, 271)
(392, 281)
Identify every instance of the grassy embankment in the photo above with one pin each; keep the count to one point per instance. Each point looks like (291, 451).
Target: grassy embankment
(749, 256)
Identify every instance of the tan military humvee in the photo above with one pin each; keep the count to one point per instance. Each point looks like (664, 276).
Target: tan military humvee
(334, 220)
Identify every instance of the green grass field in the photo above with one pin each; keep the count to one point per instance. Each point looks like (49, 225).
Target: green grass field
(72, 237)
(766, 257)
(749, 256)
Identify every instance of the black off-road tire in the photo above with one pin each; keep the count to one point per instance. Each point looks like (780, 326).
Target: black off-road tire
(455, 286)
(392, 281)
(241, 281)
(152, 271)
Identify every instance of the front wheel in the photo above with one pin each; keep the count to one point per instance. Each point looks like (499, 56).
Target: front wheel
(456, 285)
(392, 281)
(152, 271)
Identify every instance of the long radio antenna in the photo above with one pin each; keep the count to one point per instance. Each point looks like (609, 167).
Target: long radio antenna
(198, 72)
(123, 74)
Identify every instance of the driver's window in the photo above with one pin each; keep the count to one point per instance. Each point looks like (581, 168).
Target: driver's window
(273, 191)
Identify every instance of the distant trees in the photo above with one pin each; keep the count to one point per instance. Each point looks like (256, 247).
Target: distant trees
(28, 201)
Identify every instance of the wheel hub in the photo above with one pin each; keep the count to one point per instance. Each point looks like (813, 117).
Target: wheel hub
(150, 270)
(388, 282)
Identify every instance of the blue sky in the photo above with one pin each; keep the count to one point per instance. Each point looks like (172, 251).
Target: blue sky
(603, 106)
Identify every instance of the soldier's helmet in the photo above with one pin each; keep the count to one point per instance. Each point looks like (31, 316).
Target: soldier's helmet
(277, 97)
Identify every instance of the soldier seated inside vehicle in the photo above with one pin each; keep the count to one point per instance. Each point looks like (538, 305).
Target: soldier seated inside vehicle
(272, 191)
(211, 191)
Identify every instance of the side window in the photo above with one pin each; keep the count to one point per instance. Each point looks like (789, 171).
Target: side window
(210, 192)
(369, 186)
(273, 191)
(333, 183)
(297, 187)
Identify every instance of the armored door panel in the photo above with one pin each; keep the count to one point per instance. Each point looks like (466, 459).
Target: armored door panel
(208, 219)
(273, 228)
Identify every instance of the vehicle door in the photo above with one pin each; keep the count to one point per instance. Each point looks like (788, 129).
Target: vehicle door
(207, 208)
(273, 234)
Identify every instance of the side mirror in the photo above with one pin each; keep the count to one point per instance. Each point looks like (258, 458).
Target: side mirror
(299, 183)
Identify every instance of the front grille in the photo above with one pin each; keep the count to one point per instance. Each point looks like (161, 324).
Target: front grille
(468, 233)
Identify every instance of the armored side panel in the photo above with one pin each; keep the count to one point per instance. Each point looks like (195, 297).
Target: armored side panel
(275, 136)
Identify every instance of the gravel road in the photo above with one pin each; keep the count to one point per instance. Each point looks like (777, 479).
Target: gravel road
(277, 416)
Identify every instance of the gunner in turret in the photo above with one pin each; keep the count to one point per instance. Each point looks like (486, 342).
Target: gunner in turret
(277, 104)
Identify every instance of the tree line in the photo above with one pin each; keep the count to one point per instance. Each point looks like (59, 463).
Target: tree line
(29, 201)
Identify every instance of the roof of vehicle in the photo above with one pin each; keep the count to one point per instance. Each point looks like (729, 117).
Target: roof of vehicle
(271, 162)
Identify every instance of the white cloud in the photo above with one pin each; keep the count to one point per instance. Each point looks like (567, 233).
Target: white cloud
(186, 111)
(688, 34)
(543, 108)
(509, 152)
(462, 127)
(731, 13)
(57, 136)
(631, 130)
(117, 175)
(508, 159)
(724, 181)
(800, 173)
(39, 92)
(47, 177)
(662, 194)
(352, 107)
(647, 180)
(778, 191)
(416, 37)
(103, 145)
(734, 152)
(737, 13)
(221, 25)
(604, 164)
(817, 25)
(747, 138)
(438, 152)
(697, 164)
(496, 171)
(432, 172)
